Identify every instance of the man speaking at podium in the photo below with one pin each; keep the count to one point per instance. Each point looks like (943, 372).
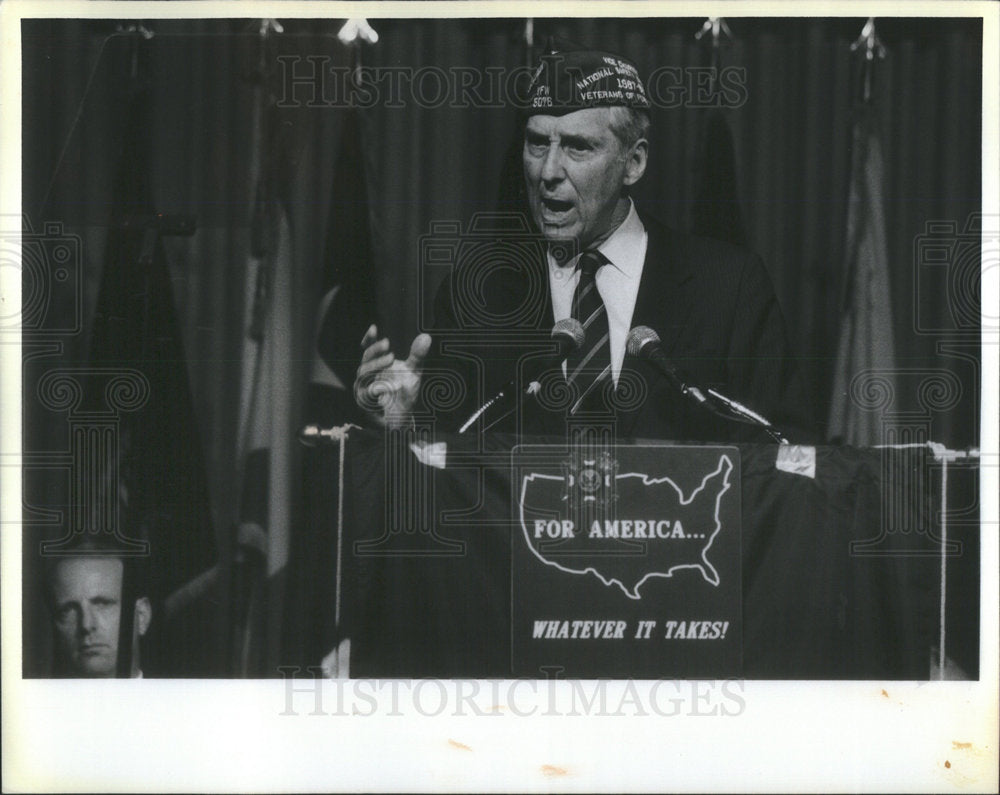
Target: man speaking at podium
(707, 313)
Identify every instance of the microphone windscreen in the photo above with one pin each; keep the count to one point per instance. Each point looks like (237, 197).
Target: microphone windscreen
(310, 435)
(570, 329)
(639, 338)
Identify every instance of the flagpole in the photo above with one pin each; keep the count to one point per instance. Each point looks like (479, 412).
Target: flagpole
(715, 211)
(250, 547)
(873, 49)
(716, 27)
(865, 348)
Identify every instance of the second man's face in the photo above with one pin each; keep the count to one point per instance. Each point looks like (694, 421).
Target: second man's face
(87, 599)
(574, 168)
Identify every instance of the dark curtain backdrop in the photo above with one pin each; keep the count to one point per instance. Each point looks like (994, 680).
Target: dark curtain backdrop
(426, 164)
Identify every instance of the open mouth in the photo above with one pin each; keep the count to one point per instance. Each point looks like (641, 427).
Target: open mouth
(557, 205)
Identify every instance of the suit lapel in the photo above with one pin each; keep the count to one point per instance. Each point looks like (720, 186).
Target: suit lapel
(662, 303)
(547, 316)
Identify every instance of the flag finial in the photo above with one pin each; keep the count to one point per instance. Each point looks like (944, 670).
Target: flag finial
(871, 42)
(355, 29)
(873, 49)
(717, 27)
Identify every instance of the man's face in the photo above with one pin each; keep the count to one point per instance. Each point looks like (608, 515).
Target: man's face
(575, 168)
(86, 596)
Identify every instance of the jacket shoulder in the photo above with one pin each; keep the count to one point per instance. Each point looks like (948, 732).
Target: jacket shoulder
(668, 239)
(680, 256)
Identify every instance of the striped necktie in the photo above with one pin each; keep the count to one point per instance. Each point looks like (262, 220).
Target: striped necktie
(589, 366)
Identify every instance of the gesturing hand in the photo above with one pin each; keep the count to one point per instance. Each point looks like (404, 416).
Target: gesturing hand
(384, 386)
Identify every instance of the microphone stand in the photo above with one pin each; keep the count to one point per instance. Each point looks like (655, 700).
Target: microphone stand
(568, 335)
(644, 343)
(734, 410)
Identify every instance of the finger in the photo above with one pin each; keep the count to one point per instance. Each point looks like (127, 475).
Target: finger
(370, 368)
(370, 336)
(375, 349)
(418, 351)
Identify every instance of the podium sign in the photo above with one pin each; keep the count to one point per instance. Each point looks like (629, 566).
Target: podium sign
(626, 561)
(705, 561)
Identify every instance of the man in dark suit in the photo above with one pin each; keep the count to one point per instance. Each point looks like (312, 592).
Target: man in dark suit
(611, 269)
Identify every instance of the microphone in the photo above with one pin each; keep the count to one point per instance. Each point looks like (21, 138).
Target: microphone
(313, 435)
(568, 335)
(644, 343)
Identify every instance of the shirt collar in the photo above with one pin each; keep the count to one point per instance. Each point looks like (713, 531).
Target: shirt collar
(625, 244)
(622, 249)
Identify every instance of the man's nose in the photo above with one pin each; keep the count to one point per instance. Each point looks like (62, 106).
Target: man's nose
(552, 165)
(88, 619)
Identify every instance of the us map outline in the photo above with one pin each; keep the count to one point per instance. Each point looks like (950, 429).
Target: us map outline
(705, 566)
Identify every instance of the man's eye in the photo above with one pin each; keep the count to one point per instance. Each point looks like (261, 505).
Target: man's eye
(536, 145)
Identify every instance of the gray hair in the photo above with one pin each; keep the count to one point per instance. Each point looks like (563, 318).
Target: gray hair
(629, 124)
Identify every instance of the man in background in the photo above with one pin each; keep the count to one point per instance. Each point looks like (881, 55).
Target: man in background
(86, 592)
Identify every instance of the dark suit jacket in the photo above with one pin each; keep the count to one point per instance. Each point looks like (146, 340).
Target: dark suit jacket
(711, 303)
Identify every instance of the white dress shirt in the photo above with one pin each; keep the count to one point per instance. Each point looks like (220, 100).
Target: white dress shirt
(617, 282)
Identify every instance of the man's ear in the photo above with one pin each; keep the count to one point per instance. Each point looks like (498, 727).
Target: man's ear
(143, 615)
(635, 161)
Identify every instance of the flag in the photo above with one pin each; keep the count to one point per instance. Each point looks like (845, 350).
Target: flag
(716, 209)
(346, 309)
(262, 524)
(161, 481)
(348, 303)
(866, 327)
(262, 528)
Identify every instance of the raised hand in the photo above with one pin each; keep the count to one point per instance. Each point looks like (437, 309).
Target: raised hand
(386, 387)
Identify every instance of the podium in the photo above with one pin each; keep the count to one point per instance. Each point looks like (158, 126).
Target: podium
(808, 563)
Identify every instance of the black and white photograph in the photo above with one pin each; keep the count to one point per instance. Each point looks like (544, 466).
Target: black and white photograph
(435, 397)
